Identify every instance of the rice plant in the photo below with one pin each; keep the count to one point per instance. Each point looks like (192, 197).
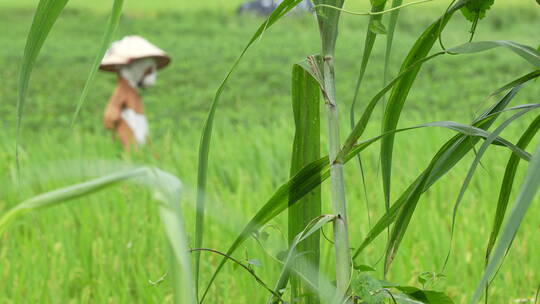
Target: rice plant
(313, 88)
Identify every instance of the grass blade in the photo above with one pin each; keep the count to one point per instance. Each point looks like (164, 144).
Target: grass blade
(368, 47)
(507, 183)
(392, 22)
(475, 163)
(389, 41)
(167, 190)
(45, 17)
(110, 29)
(306, 149)
(526, 52)
(419, 51)
(328, 20)
(527, 193)
(311, 229)
(204, 145)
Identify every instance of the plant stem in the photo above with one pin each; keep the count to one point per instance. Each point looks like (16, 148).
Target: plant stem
(339, 206)
(328, 20)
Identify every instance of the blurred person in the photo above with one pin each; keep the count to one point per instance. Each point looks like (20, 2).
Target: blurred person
(135, 61)
(266, 7)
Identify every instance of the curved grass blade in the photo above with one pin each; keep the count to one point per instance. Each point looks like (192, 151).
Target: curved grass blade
(318, 171)
(446, 158)
(514, 83)
(392, 22)
(508, 182)
(528, 191)
(483, 148)
(526, 52)
(294, 251)
(368, 47)
(419, 51)
(110, 29)
(167, 190)
(504, 194)
(45, 17)
(204, 145)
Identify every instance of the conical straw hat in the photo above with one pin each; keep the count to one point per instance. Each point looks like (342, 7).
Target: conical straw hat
(129, 49)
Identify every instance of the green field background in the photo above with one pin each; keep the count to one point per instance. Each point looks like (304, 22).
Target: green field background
(110, 248)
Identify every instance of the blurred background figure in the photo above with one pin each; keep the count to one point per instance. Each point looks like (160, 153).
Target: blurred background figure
(136, 62)
(266, 7)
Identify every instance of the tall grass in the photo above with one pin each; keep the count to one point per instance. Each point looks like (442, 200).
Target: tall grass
(300, 194)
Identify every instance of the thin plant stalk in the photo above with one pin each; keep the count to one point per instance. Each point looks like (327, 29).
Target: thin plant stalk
(328, 25)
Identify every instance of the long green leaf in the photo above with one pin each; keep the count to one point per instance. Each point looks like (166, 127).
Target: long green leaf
(526, 52)
(527, 193)
(392, 22)
(204, 146)
(483, 148)
(419, 51)
(167, 190)
(368, 47)
(306, 149)
(45, 16)
(507, 184)
(110, 29)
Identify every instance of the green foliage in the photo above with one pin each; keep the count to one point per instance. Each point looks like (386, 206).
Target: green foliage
(526, 195)
(306, 149)
(476, 9)
(368, 289)
(167, 191)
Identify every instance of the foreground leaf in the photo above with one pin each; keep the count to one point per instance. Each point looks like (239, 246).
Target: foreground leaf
(306, 149)
(45, 17)
(476, 162)
(507, 184)
(295, 253)
(528, 191)
(167, 190)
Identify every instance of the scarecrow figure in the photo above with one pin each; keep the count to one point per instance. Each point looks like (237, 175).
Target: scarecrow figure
(136, 62)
